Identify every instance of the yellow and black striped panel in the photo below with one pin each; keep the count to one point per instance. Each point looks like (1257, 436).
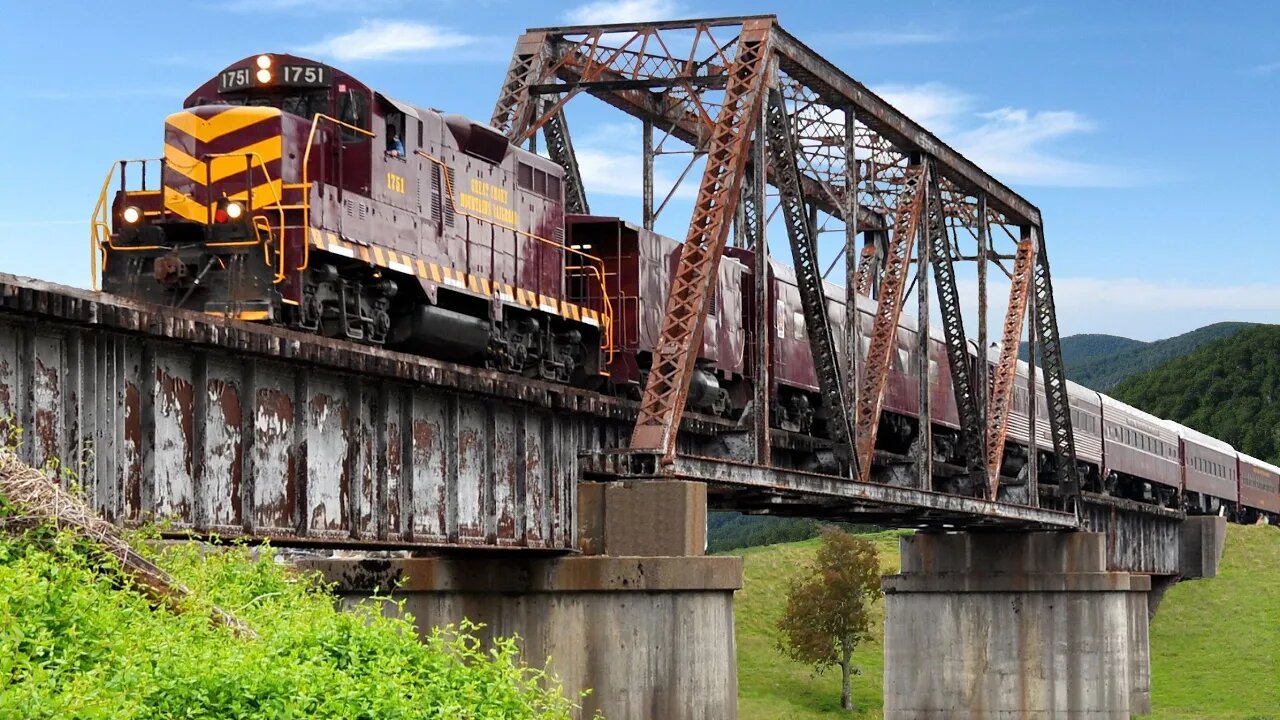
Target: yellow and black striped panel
(450, 277)
(216, 151)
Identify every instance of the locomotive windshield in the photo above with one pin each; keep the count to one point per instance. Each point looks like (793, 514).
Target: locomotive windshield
(303, 103)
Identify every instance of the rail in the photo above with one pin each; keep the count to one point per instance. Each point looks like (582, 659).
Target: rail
(100, 227)
(306, 182)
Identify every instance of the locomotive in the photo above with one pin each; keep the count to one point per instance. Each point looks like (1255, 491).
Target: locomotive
(291, 193)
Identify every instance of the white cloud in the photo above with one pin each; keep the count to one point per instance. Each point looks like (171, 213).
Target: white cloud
(382, 39)
(1265, 68)
(933, 105)
(1013, 144)
(886, 38)
(609, 166)
(607, 12)
(265, 6)
(1134, 307)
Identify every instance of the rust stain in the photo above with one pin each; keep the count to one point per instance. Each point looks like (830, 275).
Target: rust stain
(133, 451)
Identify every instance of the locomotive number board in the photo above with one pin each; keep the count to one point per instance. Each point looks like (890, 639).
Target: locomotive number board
(283, 76)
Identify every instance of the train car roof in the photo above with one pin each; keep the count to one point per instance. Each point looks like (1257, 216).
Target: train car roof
(1111, 403)
(1200, 438)
(1251, 460)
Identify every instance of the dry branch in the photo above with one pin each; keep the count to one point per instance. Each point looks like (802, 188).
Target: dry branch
(38, 500)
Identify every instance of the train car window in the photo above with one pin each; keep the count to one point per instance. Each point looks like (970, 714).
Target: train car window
(540, 182)
(524, 176)
(553, 188)
(782, 319)
(420, 145)
(353, 109)
(904, 360)
(801, 332)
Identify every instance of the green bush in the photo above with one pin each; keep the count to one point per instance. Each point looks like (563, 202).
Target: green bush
(77, 642)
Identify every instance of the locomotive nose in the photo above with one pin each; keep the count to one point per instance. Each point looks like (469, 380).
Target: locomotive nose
(213, 152)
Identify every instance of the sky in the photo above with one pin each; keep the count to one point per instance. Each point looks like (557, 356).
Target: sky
(1147, 132)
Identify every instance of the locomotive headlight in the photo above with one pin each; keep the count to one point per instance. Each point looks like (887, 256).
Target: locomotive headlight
(264, 76)
(234, 210)
(131, 215)
(264, 61)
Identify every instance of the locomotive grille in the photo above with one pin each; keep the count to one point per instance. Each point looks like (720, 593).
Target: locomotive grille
(448, 207)
(435, 194)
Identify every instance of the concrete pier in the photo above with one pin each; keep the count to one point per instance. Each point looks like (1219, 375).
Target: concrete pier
(642, 619)
(1027, 625)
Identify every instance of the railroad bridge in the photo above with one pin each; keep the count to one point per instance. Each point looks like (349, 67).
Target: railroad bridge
(578, 520)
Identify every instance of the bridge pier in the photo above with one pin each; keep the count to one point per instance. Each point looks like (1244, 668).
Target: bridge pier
(1027, 625)
(648, 627)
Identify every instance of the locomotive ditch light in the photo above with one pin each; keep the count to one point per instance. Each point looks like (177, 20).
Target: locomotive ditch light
(264, 62)
(131, 215)
(264, 76)
(234, 210)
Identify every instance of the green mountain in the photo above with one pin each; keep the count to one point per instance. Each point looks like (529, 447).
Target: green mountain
(1102, 362)
(1205, 663)
(1229, 388)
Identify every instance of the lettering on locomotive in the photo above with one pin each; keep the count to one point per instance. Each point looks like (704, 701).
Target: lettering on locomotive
(488, 200)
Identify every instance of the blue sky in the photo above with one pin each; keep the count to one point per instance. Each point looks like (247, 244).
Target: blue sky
(1147, 132)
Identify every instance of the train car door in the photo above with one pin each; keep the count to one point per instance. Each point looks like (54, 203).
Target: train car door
(355, 156)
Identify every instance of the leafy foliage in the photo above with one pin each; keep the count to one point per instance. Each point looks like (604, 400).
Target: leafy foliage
(829, 606)
(732, 530)
(76, 642)
(1102, 362)
(1229, 389)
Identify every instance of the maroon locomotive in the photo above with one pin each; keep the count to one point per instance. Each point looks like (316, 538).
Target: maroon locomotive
(290, 193)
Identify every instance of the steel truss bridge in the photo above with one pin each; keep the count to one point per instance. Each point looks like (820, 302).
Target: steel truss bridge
(236, 429)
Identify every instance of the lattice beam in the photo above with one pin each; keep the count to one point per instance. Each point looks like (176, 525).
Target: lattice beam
(804, 253)
(1066, 470)
(1006, 371)
(944, 274)
(667, 388)
(884, 331)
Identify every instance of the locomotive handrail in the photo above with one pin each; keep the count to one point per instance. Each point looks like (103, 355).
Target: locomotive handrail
(598, 269)
(607, 324)
(278, 193)
(306, 184)
(100, 229)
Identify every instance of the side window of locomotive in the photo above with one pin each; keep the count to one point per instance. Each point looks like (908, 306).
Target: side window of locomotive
(353, 109)
(396, 124)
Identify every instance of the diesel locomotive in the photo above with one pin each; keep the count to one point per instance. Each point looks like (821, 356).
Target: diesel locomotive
(291, 193)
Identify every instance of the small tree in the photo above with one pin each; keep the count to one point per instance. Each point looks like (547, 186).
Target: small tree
(829, 606)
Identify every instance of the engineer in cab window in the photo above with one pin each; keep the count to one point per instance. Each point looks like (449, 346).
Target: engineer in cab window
(395, 147)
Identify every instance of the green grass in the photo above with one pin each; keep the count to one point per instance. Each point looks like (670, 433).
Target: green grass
(771, 686)
(1215, 644)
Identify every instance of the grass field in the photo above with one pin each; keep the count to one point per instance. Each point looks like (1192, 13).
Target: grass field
(1215, 644)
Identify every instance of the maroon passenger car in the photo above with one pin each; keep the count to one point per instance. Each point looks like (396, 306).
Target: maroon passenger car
(1259, 489)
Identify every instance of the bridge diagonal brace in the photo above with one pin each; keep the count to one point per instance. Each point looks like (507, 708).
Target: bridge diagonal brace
(680, 339)
(560, 149)
(944, 273)
(884, 330)
(804, 251)
(514, 109)
(1006, 370)
(1066, 469)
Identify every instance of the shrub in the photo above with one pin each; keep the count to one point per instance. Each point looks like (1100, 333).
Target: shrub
(77, 641)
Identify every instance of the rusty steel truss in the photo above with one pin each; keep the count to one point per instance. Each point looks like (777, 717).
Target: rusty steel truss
(840, 160)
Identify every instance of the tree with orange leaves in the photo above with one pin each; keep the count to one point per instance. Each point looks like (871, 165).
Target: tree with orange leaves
(829, 606)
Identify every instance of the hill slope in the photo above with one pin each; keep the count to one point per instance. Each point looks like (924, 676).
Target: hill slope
(1229, 389)
(1103, 361)
(1215, 644)
(1079, 348)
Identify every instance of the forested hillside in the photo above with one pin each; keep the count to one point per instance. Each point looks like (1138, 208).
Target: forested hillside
(1229, 389)
(1079, 348)
(1102, 362)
